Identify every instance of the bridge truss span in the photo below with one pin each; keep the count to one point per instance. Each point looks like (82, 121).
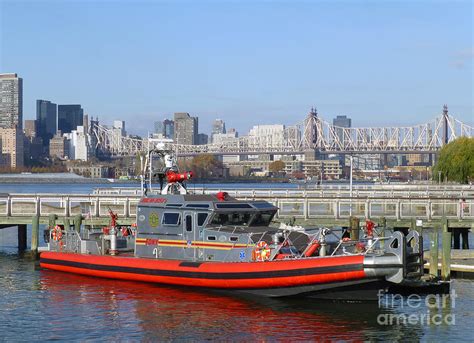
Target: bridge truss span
(311, 134)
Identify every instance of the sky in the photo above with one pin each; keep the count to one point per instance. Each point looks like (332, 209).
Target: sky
(382, 63)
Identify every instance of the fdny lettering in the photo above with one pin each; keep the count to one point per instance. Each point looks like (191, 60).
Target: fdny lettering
(155, 200)
(150, 241)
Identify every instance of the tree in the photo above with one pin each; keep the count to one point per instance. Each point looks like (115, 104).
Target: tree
(206, 165)
(276, 167)
(456, 161)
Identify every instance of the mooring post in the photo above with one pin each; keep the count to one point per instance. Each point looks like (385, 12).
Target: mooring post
(35, 235)
(434, 253)
(446, 257)
(383, 225)
(21, 238)
(465, 238)
(78, 223)
(354, 225)
(67, 224)
(444, 222)
(52, 221)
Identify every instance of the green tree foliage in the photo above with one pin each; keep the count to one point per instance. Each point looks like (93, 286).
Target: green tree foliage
(206, 165)
(276, 166)
(456, 161)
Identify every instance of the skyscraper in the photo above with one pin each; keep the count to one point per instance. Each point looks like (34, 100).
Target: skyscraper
(11, 101)
(202, 139)
(70, 117)
(185, 129)
(30, 128)
(340, 122)
(159, 129)
(168, 128)
(11, 150)
(46, 120)
(218, 127)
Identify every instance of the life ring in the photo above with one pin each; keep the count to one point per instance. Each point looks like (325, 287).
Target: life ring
(57, 233)
(262, 252)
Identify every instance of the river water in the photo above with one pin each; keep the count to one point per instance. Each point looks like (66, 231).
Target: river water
(42, 305)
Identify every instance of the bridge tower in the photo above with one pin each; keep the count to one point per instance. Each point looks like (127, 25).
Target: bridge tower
(311, 130)
(445, 125)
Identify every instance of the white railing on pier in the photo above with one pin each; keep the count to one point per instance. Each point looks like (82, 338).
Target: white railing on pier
(302, 204)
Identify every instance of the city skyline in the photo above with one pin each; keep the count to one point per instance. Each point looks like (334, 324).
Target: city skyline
(269, 65)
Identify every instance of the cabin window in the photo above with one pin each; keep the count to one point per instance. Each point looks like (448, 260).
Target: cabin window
(201, 218)
(262, 218)
(189, 222)
(231, 219)
(234, 239)
(262, 205)
(211, 238)
(229, 206)
(174, 205)
(198, 205)
(170, 218)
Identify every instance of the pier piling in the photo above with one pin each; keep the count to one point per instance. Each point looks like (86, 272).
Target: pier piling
(446, 256)
(35, 234)
(78, 223)
(434, 253)
(355, 228)
(67, 224)
(21, 238)
(383, 226)
(52, 220)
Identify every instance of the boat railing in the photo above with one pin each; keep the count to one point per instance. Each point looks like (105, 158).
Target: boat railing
(71, 241)
(68, 241)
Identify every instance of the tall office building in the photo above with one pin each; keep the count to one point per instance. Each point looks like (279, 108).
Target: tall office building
(59, 146)
(164, 129)
(30, 128)
(202, 139)
(12, 142)
(119, 127)
(168, 128)
(46, 120)
(70, 117)
(340, 122)
(11, 101)
(159, 128)
(79, 144)
(218, 127)
(185, 129)
(32, 145)
(85, 123)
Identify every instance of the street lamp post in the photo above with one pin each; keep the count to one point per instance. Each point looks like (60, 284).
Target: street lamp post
(350, 189)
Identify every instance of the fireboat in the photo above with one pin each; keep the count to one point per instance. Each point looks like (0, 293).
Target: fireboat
(221, 243)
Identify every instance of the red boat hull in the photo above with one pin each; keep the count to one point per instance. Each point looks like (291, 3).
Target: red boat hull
(221, 275)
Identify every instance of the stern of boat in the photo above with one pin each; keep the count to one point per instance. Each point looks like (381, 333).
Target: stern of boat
(400, 260)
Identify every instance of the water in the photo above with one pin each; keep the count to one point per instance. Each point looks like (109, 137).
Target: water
(40, 304)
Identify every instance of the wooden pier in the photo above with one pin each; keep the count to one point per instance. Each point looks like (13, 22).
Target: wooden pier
(447, 212)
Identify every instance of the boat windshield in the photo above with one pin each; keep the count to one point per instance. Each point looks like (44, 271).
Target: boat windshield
(242, 218)
(239, 218)
(262, 218)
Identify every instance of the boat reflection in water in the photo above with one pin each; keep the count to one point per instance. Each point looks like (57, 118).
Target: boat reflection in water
(111, 309)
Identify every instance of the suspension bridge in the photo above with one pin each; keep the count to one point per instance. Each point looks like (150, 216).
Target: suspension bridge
(311, 134)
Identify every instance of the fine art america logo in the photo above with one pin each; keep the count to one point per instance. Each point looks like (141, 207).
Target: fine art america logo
(432, 309)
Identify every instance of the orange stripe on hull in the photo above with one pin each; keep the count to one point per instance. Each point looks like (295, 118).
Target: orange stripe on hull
(228, 275)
